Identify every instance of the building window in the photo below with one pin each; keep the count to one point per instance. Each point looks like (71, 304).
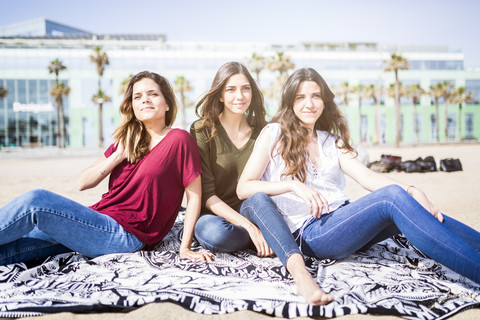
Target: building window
(473, 86)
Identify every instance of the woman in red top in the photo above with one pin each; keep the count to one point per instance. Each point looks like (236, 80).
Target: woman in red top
(150, 165)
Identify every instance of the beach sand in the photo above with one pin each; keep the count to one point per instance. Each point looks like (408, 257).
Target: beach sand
(456, 193)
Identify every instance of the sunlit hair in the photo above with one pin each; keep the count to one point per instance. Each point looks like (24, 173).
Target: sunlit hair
(210, 107)
(132, 132)
(293, 140)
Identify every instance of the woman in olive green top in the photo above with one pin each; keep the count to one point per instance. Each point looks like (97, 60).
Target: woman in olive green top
(232, 115)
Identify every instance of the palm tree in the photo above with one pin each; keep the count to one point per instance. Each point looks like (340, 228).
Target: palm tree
(100, 58)
(124, 84)
(181, 86)
(375, 92)
(436, 93)
(256, 63)
(392, 92)
(415, 91)
(343, 91)
(446, 88)
(100, 98)
(359, 89)
(461, 96)
(58, 91)
(396, 63)
(280, 63)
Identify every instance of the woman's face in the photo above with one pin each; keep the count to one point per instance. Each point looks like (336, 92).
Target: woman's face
(237, 94)
(308, 104)
(148, 102)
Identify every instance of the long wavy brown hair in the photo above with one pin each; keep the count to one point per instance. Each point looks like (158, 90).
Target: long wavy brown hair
(132, 133)
(210, 107)
(293, 140)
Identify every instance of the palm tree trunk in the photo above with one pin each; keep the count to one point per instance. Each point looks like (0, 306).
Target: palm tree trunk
(100, 125)
(59, 130)
(61, 125)
(360, 119)
(415, 121)
(437, 114)
(445, 111)
(377, 123)
(460, 122)
(182, 110)
(398, 121)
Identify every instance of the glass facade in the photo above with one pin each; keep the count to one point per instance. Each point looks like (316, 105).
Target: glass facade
(473, 86)
(28, 113)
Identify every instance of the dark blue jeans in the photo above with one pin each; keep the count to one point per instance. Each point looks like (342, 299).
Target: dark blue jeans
(40, 223)
(370, 219)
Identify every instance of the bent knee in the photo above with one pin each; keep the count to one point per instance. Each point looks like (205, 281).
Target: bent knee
(259, 197)
(392, 191)
(33, 195)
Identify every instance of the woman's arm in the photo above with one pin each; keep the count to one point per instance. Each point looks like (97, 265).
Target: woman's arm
(221, 209)
(216, 205)
(194, 195)
(94, 174)
(372, 180)
(250, 183)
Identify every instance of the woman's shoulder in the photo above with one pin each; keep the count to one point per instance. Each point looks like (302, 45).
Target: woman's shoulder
(200, 127)
(272, 127)
(329, 139)
(270, 132)
(179, 134)
(325, 135)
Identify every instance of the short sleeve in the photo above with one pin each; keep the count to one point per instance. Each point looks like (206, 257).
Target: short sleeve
(110, 150)
(191, 162)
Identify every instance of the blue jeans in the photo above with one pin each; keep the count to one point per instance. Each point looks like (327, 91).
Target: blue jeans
(216, 234)
(40, 223)
(260, 210)
(378, 216)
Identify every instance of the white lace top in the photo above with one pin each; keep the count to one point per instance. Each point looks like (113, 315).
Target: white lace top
(329, 179)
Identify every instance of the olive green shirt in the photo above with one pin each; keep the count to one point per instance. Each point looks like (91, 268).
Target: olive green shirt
(222, 163)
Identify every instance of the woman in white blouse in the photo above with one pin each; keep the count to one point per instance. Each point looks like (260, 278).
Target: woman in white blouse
(294, 182)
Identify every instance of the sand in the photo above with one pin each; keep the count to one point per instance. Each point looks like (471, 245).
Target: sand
(455, 193)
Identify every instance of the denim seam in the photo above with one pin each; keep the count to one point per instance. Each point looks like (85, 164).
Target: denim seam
(73, 219)
(287, 254)
(21, 216)
(30, 249)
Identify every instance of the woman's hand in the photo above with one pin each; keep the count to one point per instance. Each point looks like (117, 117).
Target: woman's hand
(317, 204)
(120, 152)
(421, 198)
(187, 253)
(263, 249)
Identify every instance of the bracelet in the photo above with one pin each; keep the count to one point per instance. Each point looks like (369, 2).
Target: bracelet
(408, 188)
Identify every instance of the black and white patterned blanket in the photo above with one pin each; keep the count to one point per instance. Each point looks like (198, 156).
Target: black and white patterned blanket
(390, 278)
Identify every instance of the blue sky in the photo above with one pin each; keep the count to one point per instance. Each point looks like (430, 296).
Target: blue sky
(454, 23)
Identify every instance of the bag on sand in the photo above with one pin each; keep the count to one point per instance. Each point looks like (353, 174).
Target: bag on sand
(449, 165)
(428, 164)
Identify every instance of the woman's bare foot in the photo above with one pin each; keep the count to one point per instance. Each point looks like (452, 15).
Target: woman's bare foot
(306, 286)
(311, 292)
